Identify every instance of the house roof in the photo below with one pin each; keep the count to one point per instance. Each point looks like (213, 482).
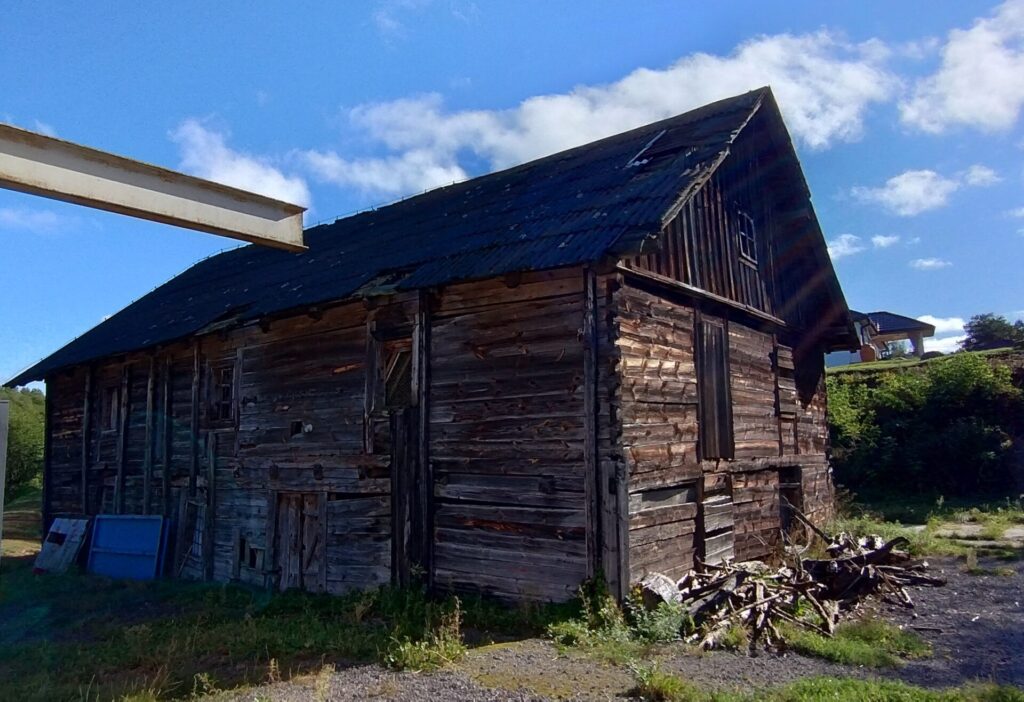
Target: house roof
(574, 207)
(891, 323)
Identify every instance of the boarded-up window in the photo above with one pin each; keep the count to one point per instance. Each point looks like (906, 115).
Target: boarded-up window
(222, 394)
(111, 408)
(715, 419)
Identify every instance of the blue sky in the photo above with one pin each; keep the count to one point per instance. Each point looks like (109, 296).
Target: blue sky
(907, 117)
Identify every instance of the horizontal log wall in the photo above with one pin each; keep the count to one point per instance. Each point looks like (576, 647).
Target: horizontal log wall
(657, 411)
(535, 486)
(755, 418)
(507, 436)
(757, 513)
(655, 414)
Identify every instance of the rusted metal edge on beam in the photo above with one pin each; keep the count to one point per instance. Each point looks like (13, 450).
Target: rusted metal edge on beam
(61, 170)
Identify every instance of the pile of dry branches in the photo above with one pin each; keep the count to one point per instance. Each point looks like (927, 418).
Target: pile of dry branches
(757, 597)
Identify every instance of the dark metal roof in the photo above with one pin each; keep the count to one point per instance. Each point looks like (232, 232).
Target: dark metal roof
(890, 323)
(570, 208)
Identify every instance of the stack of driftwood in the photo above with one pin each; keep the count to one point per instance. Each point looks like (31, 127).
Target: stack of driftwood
(809, 593)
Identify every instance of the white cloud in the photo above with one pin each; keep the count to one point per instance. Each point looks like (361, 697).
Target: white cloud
(204, 152)
(32, 220)
(1018, 212)
(409, 172)
(979, 81)
(844, 245)
(944, 325)
(981, 176)
(947, 344)
(884, 242)
(910, 193)
(929, 264)
(824, 87)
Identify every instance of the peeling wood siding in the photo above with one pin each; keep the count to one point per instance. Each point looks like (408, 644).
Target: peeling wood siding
(507, 437)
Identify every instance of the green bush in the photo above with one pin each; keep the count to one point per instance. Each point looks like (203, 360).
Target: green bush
(24, 440)
(944, 427)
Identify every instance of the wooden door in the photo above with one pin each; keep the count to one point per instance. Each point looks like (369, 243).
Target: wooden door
(299, 547)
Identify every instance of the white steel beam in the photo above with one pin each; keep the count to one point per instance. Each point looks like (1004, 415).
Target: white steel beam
(41, 165)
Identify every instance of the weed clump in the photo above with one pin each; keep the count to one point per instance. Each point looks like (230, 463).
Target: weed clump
(654, 685)
(441, 646)
(871, 643)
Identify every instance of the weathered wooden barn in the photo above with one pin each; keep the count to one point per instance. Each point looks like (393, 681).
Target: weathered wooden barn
(604, 362)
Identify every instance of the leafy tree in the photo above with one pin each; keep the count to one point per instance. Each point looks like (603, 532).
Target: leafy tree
(25, 438)
(989, 331)
(949, 426)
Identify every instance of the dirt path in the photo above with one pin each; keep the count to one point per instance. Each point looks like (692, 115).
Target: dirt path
(975, 624)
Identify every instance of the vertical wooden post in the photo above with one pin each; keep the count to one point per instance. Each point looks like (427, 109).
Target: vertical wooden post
(322, 517)
(270, 570)
(592, 496)
(165, 474)
(613, 485)
(193, 471)
(147, 460)
(236, 556)
(210, 525)
(86, 438)
(372, 365)
(423, 514)
(47, 459)
(122, 443)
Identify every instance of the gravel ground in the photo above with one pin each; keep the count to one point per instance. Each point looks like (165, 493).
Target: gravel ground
(975, 624)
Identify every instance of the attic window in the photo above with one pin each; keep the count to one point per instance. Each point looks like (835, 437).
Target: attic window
(222, 394)
(398, 375)
(746, 235)
(110, 408)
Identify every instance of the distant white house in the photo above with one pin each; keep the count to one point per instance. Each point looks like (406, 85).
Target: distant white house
(877, 329)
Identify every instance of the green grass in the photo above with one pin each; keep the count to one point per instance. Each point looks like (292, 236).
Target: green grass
(891, 516)
(1000, 572)
(654, 685)
(901, 363)
(870, 643)
(850, 690)
(21, 522)
(615, 635)
(63, 634)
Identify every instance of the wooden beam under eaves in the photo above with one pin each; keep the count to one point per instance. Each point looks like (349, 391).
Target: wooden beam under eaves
(41, 165)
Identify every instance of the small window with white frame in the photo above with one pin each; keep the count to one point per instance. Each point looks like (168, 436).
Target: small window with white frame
(746, 235)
